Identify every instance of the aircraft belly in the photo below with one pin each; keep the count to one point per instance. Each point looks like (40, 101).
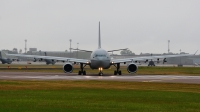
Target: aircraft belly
(95, 64)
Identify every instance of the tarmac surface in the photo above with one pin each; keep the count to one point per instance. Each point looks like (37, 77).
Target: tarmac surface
(73, 76)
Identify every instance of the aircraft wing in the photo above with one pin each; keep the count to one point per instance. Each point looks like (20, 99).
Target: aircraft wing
(63, 59)
(148, 58)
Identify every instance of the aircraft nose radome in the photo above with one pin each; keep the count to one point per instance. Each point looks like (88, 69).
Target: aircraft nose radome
(100, 62)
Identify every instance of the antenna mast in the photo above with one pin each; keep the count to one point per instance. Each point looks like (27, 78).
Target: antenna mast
(168, 46)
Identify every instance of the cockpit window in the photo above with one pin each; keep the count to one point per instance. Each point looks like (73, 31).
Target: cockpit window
(97, 55)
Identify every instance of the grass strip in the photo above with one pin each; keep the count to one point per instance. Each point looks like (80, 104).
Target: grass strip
(98, 96)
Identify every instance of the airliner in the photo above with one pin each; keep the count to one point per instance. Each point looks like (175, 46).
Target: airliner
(7, 60)
(49, 61)
(100, 59)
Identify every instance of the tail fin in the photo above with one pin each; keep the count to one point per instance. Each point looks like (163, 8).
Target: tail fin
(2, 54)
(99, 37)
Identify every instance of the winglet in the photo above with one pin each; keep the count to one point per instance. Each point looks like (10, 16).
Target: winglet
(195, 52)
(99, 37)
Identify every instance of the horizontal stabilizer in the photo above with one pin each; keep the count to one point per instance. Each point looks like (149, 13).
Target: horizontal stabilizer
(81, 50)
(195, 52)
(117, 50)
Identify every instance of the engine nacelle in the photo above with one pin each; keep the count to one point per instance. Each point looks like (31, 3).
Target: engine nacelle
(132, 68)
(68, 68)
(34, 60)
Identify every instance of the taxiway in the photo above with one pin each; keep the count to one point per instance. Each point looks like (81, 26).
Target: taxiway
(62, 76)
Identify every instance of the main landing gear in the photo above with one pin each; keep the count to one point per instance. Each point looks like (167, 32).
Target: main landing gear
(117, 71)
(82, 72)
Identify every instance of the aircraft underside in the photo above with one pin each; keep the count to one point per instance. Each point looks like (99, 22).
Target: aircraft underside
(131, 68)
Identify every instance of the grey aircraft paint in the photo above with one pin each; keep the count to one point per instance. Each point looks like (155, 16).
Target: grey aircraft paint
(100, 59)
(49, 61)
(5, 60)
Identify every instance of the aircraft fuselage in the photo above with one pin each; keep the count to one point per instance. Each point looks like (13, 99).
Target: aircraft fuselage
(100, 59)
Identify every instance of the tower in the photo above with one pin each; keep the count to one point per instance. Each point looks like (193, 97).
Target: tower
(70, 47)
(25, 45)
(77, 51)
(168, 46)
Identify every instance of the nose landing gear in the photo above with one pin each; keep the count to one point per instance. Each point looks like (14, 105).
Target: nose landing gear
(100, 71)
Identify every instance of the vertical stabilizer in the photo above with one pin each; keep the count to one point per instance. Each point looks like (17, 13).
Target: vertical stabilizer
(99, 37)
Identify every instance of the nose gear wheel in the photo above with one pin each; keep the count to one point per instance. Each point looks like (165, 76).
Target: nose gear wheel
(100, 71)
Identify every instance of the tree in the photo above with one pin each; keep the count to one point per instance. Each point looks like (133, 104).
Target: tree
(127, 52)
(20, 51)
(15, 50)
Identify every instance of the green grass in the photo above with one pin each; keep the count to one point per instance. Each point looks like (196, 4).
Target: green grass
(169, 70)
(98, 96)
(141, 69)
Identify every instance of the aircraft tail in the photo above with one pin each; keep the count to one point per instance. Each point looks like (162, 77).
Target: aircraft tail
(99, 37)
(2, 54)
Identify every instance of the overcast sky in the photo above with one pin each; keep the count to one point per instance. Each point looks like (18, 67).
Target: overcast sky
(140, 25)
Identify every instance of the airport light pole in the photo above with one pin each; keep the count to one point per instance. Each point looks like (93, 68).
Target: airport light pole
(70, 47)
(25, 45)
(180, 58)
(168, 46)
(77, 51)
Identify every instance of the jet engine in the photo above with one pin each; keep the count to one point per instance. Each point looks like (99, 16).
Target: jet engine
(68, 68)
(132, 68)
(37, 59)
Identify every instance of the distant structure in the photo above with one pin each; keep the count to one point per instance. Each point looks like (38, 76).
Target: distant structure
(70, 47)
(25, 45)
(32, 49)
(168, 46)
(126, 52)
(77, 51)
(20, 51)
(15, 50)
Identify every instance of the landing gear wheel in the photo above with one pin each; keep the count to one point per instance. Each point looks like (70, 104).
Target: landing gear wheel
(100, 74)
(84, 72)
(79, 72)
(115, 72)
(120, 72)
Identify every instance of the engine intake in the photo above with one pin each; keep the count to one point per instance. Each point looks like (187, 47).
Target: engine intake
(68, 68)
(132, 68)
